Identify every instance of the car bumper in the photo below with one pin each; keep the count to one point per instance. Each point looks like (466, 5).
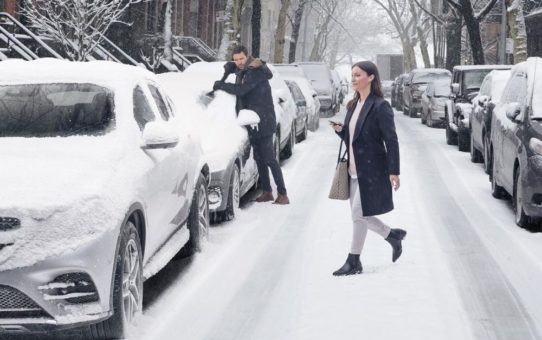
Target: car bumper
(326, 102)
(60, 292)
(532, 193)
(437, 114)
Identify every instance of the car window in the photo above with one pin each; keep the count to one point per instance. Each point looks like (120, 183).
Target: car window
(51, 110)
(160, 103)
(486, 86)
(472, 79)
(516, 89)
(142, 110)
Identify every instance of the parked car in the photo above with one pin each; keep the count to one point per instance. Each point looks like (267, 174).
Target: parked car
(433, 102)
(415, 84)
(101, 187)
(480, 120)
(320, 77)
(285, 111)
(225, 142)
(295, 73)
(386, 87)
(466, 82)
(302, 118)
(339, 95)
(516, 142)
(399, 91)
(393, 94)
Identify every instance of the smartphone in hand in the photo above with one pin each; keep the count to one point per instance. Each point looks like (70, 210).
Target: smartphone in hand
(335, 123)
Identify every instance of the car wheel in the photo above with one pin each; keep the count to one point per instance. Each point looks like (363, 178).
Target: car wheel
(405, 110)
(463, 139)
(451, 135)
(423, 118)
(475, 154)
(487, 155)
(413, 113)
(303, 134)
(198, 219)
(317, 119)
(522, 219)
(127, 288)
(289, 149)
(496, 190)
(234, 195)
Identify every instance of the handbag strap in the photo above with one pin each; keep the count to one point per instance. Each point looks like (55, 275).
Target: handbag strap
(340, 149)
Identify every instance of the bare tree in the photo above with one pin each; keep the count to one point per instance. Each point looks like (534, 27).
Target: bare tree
(232, 28)
(472, 21)
(168, 35)
(326, 10)
(403, 21)
(281, 31)
(296, 25)
(78, 25)
(421, 30)
(256, 26)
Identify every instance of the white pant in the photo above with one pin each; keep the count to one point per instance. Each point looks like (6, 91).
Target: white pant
(361, 223)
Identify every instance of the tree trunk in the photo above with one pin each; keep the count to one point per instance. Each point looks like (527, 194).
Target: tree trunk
(516, 24)
(421, 36)
(298, 16)
(453, 42)
(473, 28)
(256, 27)
(281, 31)
(168, 50)
(232, 27)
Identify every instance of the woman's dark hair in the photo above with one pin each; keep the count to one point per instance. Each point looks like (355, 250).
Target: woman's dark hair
(376, 86)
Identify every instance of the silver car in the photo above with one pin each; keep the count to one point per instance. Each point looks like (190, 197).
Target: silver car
(433, 101)
(99, 192)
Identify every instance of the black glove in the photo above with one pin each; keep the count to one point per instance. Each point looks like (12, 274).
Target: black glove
(229, 67)
(217, 85)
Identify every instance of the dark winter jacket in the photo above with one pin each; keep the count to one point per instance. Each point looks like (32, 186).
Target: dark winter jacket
(253, 92)
(376, 153)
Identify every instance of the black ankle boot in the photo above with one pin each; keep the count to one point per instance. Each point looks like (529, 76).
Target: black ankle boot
(350, 267)
(394, 238)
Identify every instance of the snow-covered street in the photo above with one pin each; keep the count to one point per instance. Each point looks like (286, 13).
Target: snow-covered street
(467, 271)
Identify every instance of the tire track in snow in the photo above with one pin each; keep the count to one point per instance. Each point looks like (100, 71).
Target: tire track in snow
(492, 304)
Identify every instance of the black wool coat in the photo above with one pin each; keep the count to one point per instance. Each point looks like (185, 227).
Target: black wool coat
(253, 92)
(376, 153)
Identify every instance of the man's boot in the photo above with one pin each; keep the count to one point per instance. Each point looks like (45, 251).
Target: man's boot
(350, 267)
(394, 238)
(282, 199)
(266, 196)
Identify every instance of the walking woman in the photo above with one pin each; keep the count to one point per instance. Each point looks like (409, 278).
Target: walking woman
(373, 163)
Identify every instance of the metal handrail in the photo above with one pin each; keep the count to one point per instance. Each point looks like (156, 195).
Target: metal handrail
(18, 46)
(29, 32)
(121, 51)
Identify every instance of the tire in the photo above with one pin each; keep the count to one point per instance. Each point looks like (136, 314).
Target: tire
(289, 149)
(234, 196)
(475, 154)
(127, 301)
(317, 122)
(198, 219)
(496, 190)
(413, 113)
(405, 111)
(521, 218)
(463, 139)
(303, 134)
(429, 119)
(451, 135)
(423, 118)
(487, 155)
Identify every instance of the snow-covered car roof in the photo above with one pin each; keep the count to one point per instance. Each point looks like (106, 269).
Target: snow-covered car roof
(481, 67)
(430, 70)
(49, 70)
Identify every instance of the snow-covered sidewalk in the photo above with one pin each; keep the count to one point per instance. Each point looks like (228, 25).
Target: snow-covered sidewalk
(267, 274)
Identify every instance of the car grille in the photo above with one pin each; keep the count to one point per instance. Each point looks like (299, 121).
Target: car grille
(14, 304)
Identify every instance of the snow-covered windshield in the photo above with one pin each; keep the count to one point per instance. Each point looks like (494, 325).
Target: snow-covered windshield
(48, 110)
(425, 78)
(319, 75)
(499, 81)
(472, 79)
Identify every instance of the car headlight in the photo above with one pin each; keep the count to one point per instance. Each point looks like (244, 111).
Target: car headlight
(536, 145)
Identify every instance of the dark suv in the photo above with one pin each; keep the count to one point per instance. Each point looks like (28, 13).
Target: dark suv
(398, 92)
(466, 82)
(516, 142)
(414, 86)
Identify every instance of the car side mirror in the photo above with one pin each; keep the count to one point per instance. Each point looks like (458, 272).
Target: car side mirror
(247, 117)
(455, 89)
(512, 111)
(159, 135)
(482, 100)
(314, 95)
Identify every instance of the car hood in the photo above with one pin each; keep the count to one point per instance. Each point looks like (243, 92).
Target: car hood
(38, 173)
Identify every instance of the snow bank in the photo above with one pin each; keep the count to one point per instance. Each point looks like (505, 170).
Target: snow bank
(222, 137)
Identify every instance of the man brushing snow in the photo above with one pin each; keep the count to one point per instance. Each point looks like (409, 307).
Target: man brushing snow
(253, 92)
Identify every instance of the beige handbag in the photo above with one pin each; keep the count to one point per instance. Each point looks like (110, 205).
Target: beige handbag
(340, 187)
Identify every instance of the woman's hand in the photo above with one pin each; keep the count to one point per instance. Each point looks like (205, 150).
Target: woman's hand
(336, 126)
(395, 182)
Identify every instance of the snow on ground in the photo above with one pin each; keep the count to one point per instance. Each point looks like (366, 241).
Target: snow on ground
(267, 274)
